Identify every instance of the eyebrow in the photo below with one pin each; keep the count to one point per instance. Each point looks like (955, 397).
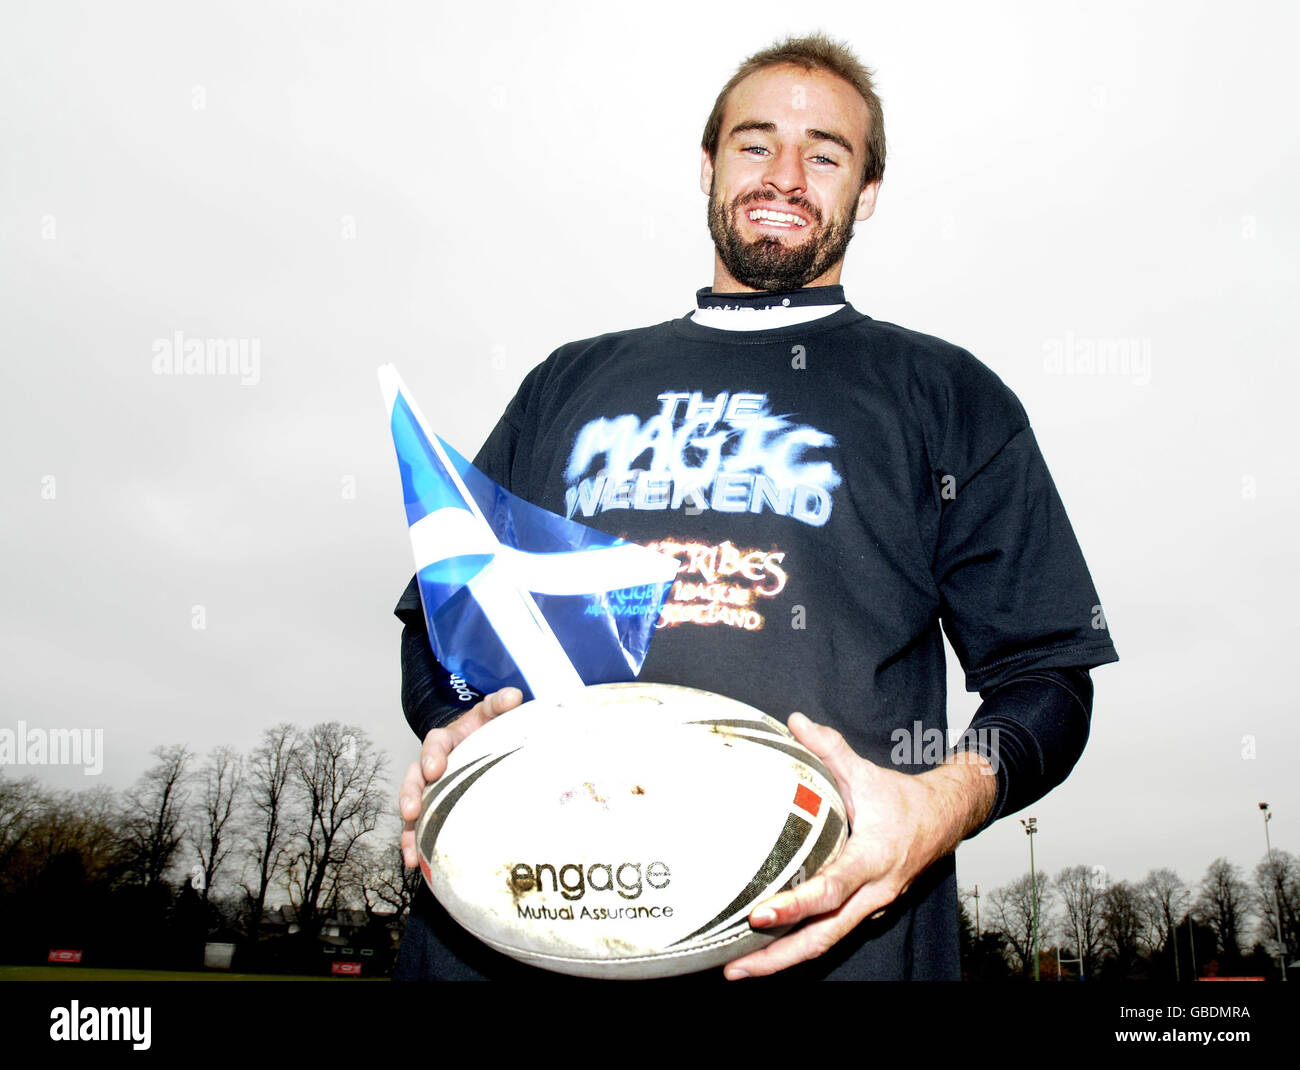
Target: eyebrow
(812, 132)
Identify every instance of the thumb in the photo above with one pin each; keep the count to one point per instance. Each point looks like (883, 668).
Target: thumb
(825, 742)
(843, 762)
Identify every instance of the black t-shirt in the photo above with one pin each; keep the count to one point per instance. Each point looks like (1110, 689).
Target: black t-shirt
(834, 492)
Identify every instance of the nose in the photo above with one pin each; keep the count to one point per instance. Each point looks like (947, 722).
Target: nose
(785, 172)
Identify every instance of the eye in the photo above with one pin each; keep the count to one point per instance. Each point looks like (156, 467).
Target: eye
(754, 148)
(820, 158)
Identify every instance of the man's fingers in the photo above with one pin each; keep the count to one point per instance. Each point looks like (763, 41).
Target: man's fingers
(433, 761)
(433, 755)
(441, 741)
(809, 942)
(408, 796)
(822, 894)
(408, 806)
(500, 701)
(492, 706)
(868, 875)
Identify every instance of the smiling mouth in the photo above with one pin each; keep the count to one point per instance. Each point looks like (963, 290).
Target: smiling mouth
(784, 220)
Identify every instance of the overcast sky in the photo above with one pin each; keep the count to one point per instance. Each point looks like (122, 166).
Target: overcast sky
(460, 188)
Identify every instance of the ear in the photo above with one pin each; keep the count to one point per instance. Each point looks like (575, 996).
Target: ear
(867, 200)
(706, 172)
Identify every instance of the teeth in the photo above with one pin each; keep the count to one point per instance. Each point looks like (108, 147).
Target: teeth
(776, 217)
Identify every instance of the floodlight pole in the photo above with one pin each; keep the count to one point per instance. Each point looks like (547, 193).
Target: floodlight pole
(1277, 894)
(1031, 826)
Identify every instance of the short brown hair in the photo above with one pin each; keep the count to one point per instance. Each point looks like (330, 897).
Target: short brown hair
(814, 52)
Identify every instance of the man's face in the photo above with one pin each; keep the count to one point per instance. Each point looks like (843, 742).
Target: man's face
(787, 182)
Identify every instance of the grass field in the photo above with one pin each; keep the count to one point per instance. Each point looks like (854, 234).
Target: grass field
(89, 973)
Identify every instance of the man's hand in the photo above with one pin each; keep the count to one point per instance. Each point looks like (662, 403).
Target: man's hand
(900, 824)
(433, 761)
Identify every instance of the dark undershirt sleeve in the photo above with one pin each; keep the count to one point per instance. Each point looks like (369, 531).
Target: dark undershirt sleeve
(430, 698)
(1032, 728)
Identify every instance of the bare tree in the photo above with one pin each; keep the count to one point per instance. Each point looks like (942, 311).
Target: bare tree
(1122, 923)
(268, 798)
(84, 823)
(1166, 900)
(983, 948)
(90, 823)
(1222, 902)
(21, 805)
(152, 816)
(1012, 909)
(1277, 901)
(337, 774)
(1081, 894)
(210, 831)
(381, 881)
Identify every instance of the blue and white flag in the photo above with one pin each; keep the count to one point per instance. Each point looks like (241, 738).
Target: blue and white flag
(515, 595)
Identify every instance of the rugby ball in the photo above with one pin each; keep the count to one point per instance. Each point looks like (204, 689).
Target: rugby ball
(626, 831)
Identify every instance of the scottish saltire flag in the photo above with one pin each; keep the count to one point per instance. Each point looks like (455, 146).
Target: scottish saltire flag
(514, 594)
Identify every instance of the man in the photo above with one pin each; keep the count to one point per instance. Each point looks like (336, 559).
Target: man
(835, 489)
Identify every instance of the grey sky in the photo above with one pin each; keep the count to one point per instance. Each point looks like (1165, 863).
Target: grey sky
(459, 190)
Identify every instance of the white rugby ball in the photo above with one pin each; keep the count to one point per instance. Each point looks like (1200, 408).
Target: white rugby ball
(627, 831)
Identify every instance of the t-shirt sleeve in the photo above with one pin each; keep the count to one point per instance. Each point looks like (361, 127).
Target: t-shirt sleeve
(1015, 590)
(496, 458)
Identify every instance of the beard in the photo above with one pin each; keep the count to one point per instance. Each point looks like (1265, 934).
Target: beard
(767, 263)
